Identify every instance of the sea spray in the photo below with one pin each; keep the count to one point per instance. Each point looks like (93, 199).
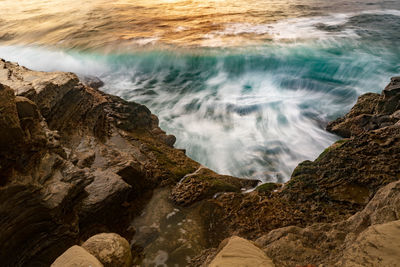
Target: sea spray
(249, 111)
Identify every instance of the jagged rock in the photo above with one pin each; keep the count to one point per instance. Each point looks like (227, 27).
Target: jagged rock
(332, 188)
(40, 190)
(237, 251)
(11, 134)
(351, 242)
(73, 162)
(92, 81)
(107, 191)
(371, 112)
(205, 183)
(76, 256)
(379, 245)
(73, 158)
(111, 250)
(390, 100)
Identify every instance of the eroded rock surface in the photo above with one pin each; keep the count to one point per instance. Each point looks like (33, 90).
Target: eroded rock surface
(371, 112)
(237, 251)
(205, 183)
(110, 249)
(73, 162)
(76, 256)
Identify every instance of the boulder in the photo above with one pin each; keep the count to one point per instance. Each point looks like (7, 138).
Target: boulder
(111, 250)
(372, 111)
(76, 256)
(378, 245)
(236, 251)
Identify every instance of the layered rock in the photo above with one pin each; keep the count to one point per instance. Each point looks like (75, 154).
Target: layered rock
(205, 183)
(73, 162)
(371, 112)
(368, 238)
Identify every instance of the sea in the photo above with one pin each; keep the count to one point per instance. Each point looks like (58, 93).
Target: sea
(246, 86)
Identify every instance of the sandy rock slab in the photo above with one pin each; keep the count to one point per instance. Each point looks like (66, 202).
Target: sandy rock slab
(76, 256)
(237, 251)
(379, 245)
(106, 249)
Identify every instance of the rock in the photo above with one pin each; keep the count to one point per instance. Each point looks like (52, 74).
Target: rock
(237, 251)
(107, 191)
(351, 242)
(76, 256)
(371, 112)
(11, 134)
(379, 245)
(111, 250)
(267, 188)
(396, 114)
(169, 140)
(205, 183)
(91, 81)
(74, 161)
(338, 184)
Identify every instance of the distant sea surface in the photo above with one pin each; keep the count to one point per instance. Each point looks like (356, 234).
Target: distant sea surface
(246, 86)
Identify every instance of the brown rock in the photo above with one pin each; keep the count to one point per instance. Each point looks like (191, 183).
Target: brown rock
(371, 112)
(237, 251)
(11, 133)
(111, 250)
(205, 183)
(73, 162)
(378, 245)
(76, 256)
(92, 81)
(361, 240)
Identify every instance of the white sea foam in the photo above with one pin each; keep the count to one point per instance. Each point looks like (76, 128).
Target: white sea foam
(254, 115)
(304, 28)
(44, 59)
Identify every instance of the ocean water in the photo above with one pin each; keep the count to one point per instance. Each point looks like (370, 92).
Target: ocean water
(247, 87)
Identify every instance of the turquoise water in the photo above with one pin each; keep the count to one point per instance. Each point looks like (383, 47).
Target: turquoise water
(253, 110)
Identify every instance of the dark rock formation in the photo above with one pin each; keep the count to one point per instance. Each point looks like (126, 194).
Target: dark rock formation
(205, 183)
(73, 162)
(91, 81)
(371, 112)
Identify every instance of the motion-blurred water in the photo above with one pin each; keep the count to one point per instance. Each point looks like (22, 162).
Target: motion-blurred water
(246, 86)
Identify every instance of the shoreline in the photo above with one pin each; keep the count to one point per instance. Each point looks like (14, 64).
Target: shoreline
(90, 162)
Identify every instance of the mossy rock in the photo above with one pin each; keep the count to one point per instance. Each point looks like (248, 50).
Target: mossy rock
(267, 187)
(334, 146)
(205, 183)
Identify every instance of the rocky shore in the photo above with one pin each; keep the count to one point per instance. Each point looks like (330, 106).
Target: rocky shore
(76, 162)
